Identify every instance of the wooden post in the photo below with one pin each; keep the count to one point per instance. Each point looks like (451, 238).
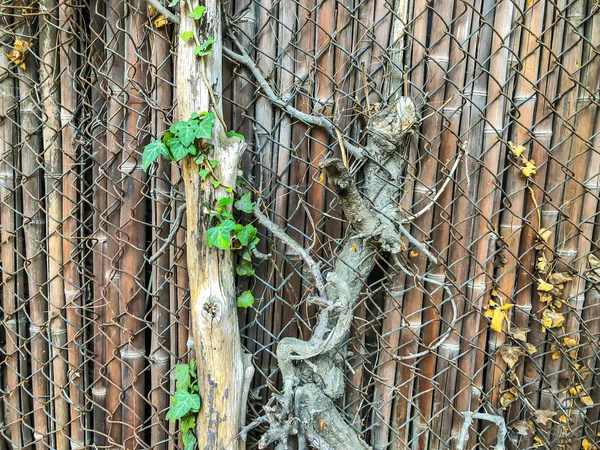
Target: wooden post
(221, 363)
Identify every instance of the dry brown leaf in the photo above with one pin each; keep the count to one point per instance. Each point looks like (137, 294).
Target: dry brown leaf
(542, 264)
(593, 272)
(520, 333)
(530, 347)
(524, 427)
(559, 278)
(510, 354)
(552, 319)
(545, 297)
(542, 416)
(508, 397)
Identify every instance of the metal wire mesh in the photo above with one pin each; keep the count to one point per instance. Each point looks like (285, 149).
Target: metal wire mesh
(90, 329)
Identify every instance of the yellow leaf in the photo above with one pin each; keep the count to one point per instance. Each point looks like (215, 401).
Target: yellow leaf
(569, 342)
(575, 390)
(506, 306)
(544, 235)
(497, 320)
(353, 247)
(515, 150)
(413, 254)
(322, 177)
(545, 297)
(537, 441)
(556, 355)
(542, 264)
(530, 347)
(529, 168)
(563, 418)
(587, 400)
(543, 286)
(18, 54)
(553, 319)
(520, 333)
(160, 21)
(587, 445)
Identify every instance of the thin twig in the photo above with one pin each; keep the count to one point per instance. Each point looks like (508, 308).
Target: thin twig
(157, 5)
(439, 193)
(244, 59)
(172, 234)
(294, 246)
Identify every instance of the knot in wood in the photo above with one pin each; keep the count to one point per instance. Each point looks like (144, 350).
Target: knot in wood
(211, 309)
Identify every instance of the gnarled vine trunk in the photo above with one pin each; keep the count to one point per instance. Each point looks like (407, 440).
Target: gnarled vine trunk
(224, 371)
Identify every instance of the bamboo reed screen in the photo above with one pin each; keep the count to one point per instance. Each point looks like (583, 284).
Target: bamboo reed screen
(90, 329)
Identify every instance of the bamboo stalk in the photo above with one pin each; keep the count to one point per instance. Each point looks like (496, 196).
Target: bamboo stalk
(33, 232)
(159, 354)
(8, 251)
(133, 352)
(570, 239)
(69, 64)
(556, 177)
(404, 375)
(99, 149)
(114, 77)
(542, 131)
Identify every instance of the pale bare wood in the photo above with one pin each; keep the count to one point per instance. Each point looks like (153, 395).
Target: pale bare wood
(223, 370)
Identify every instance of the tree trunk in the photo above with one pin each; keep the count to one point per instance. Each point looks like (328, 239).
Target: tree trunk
(223, 369)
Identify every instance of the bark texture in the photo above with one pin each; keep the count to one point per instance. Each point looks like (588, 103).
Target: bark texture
(312, 371)
(223, 369)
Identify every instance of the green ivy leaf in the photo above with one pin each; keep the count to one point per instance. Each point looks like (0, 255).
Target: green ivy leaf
(203, 174)
(244, 269)
(173, 3)
(220, 236)
(197, 13)
(186, 131)
(253, 243)
(227, 215)
(205, 127)
(205, 48)
(178, 150)
(187, 423)
(231, 134)
(224, 202)
(192, 368)
(183, 403)
(191, 442)
(182, 377)
(246, 235)
(151, 153)
(245, 300)
(215, 183)
(213, 163)
(200, 158)
(187, 35)
(245, 203)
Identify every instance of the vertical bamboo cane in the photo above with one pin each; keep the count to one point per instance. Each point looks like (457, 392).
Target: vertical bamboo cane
(114, 142)
(133, 352)
(33, 231)
(542, 130)
(8, 249)
(523, 134)
(572, 15)
(439, 371)
(159, 354)
(99, 236)
(68, 103)
(53, 167)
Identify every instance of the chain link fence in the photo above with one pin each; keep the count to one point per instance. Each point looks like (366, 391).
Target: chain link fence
(502, 188)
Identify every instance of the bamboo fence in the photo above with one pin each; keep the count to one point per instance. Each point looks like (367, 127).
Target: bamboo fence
(502, 185)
